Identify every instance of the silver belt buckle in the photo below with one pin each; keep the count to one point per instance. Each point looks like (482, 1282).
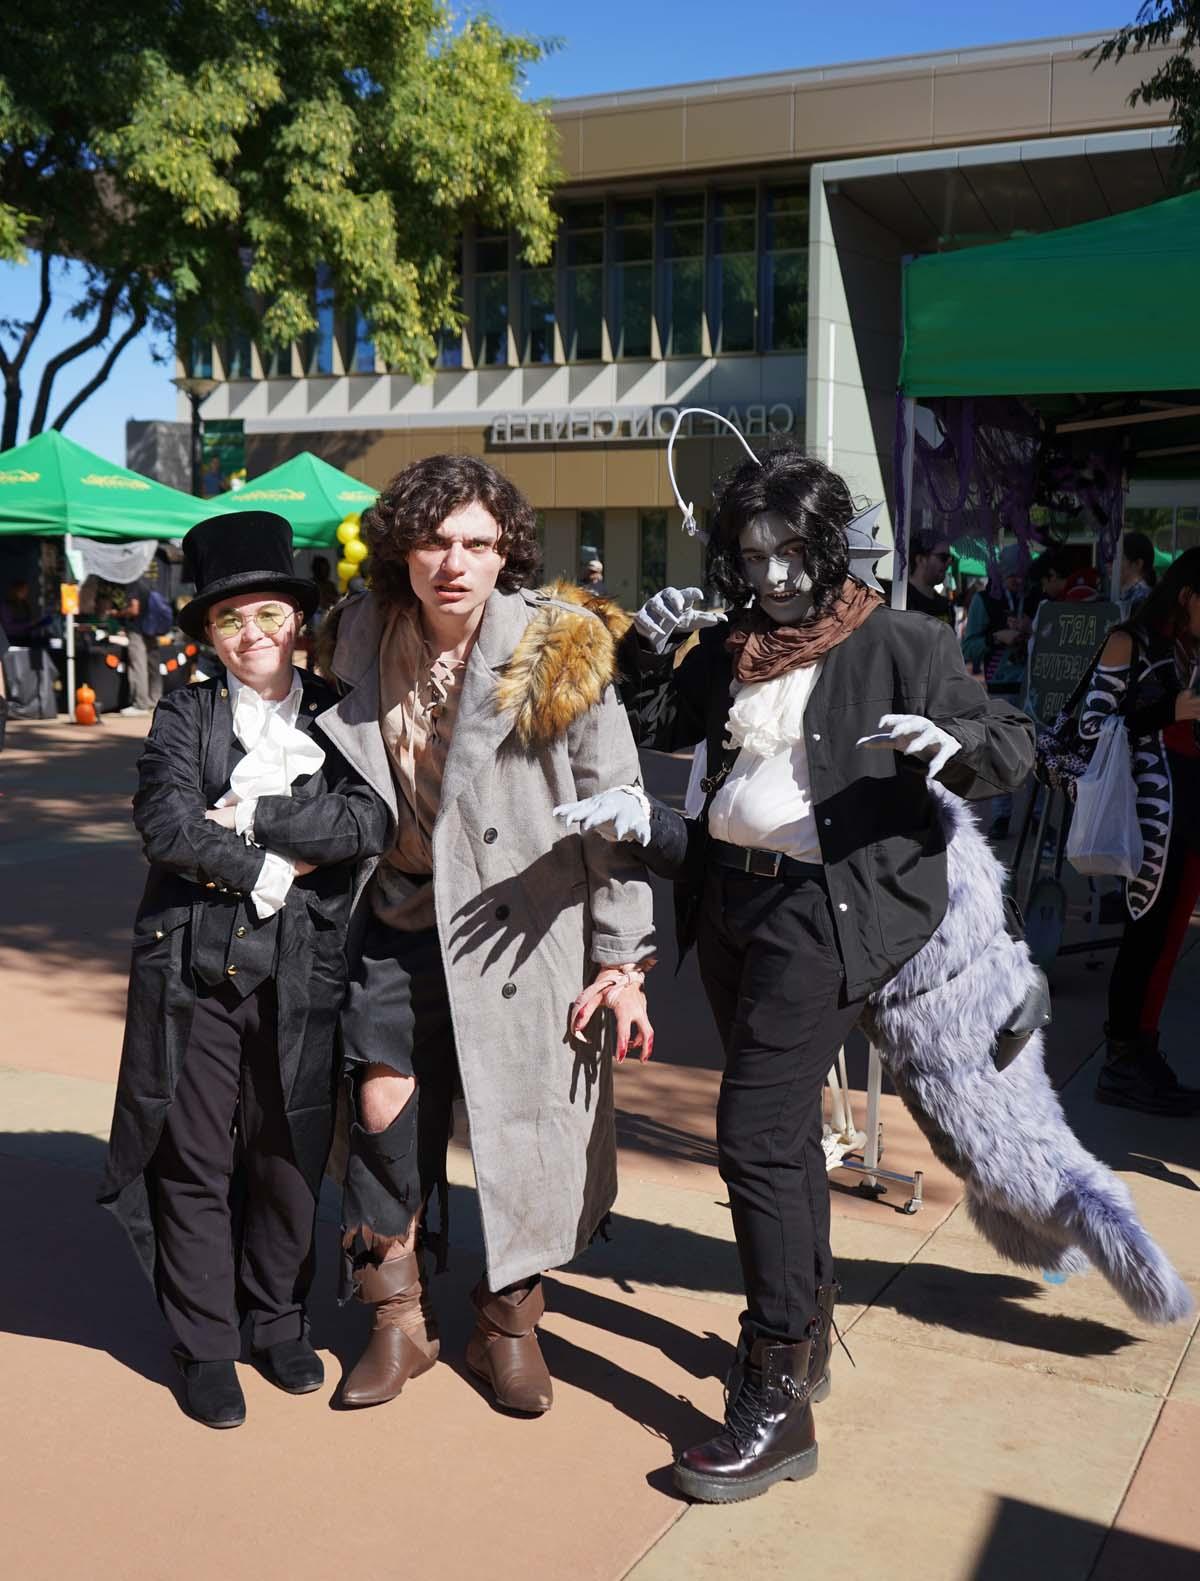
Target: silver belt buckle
(764, 864)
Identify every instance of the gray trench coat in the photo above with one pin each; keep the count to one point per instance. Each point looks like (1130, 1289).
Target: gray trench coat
(525, 911)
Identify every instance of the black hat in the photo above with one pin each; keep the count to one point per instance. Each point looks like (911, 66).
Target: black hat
(240, 552)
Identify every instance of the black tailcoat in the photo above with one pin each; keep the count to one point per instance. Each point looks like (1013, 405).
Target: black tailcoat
(198, 890)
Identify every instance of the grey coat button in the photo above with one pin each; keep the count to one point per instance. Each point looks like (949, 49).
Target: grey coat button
(490, 836)
(509, 990)
(239, 933)
(224, 691)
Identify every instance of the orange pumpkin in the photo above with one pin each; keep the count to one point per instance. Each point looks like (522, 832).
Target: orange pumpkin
(85, 706)
(111, 660)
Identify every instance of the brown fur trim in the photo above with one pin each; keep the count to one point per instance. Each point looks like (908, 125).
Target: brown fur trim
(562, 665)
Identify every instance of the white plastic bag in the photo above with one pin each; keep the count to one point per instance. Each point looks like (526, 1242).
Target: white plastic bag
(1105, 835)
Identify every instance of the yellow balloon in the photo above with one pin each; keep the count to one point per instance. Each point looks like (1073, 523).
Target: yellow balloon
(347, 529)
(355, 551)
(347, 569)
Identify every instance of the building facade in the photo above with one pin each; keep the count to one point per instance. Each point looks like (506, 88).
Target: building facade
(733, 244)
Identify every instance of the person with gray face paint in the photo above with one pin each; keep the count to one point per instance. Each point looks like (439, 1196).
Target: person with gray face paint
(815, 869)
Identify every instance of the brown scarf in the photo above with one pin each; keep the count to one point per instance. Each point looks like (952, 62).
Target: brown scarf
(762, 650)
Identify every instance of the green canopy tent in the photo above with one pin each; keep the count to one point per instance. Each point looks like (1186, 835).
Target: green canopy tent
(1109, 306)
(311, 494)
(1105, 309)
(52, 487)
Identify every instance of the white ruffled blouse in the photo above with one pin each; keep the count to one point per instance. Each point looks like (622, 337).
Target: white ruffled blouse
(766, 802)
(277, 753)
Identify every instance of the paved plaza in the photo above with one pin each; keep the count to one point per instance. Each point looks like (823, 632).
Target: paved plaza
(992, 1426)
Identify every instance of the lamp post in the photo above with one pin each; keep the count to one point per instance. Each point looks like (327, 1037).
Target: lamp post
(197, 389)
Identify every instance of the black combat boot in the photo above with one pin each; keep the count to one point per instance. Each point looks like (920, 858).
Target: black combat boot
(821, 1333)
(768, 1435)
(1136, 1076)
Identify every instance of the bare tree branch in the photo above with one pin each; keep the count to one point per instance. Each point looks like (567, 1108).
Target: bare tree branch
(11, 367)
(136, 325)
(96, 336)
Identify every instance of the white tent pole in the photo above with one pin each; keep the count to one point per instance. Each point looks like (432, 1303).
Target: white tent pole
(70, 634)
(902, 527)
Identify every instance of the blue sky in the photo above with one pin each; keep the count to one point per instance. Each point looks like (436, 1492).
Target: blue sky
(605, 46)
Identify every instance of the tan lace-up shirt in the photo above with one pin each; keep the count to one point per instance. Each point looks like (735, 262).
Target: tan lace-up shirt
(418, 703)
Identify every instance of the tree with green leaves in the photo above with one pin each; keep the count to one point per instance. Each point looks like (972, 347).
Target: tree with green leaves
(200, 161)
(1177, 80)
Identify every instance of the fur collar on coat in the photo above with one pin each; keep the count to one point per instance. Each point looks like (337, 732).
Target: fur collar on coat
(562, 663)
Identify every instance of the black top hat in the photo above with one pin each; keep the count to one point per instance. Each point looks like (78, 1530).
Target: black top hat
(240, 552)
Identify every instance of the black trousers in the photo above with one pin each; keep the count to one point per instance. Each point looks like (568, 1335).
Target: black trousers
(773, 975)
(397, 1014)
(1141, 975)
(228, 1099)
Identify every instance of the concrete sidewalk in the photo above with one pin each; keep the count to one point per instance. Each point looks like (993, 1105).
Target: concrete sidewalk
(993, 1426)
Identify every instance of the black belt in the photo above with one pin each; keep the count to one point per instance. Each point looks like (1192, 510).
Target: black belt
(763, 864)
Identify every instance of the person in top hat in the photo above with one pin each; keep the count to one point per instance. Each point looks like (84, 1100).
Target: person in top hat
(254, 826)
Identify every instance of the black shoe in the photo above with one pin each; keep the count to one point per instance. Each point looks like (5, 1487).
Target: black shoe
(292, 1365)
(212, 1393)
(1136, 1076)
(768, 1435)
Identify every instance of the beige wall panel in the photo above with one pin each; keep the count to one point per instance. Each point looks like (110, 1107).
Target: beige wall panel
(887, 112)
(727, 130)
(694, 467)
(579, 478)
(532, 471)
(631, 475)
(685, 555)
(567, 128)
(628, 140)
(469, 442)
(990, 101)
(387, 452)
(621, 556)
(561, 546)
(1083, 98)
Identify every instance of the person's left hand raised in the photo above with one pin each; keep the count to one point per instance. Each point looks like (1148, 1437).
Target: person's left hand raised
(914, 736)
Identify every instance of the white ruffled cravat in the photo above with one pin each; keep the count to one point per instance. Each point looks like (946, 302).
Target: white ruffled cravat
(768, 716)
(277, 754)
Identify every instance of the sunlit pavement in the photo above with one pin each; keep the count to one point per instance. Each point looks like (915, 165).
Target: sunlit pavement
(993, 1425)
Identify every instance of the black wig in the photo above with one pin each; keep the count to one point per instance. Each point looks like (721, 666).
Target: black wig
(814, 501)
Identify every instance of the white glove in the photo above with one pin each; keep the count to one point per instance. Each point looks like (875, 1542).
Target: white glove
(619, 814)
(916, 737)
(673, 612)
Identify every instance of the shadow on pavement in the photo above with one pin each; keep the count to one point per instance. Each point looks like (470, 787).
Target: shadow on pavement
(1028, 1539)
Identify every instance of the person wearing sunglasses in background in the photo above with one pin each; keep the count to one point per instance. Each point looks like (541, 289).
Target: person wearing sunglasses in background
(254, 826)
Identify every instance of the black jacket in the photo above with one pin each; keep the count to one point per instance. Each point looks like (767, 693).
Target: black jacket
(881, 838)
(197, 898)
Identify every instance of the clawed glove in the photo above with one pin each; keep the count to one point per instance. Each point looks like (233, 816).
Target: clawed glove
(672, 613)
(916, 737)
(619, 814)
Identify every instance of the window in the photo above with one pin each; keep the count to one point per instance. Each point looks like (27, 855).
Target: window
(652, 553)
(591, 539)
(633, 278)
(449, 348)
(200, 357)
(585, 282)
(683, 275)
(734, 265)
(362, 356)
(237, 357)
(318, 346)
(537, 315)
(785, 270)
(491, 299)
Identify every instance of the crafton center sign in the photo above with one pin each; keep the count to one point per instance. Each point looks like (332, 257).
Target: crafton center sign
(573, 425)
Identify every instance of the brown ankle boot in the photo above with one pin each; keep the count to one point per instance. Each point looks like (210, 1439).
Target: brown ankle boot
(404, 1339)
(504, 1350)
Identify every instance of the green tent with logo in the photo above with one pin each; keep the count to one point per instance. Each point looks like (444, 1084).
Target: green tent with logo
(52, 487)
(311, 494)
